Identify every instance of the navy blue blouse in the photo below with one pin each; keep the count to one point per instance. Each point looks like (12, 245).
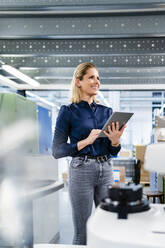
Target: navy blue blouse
(76, 122)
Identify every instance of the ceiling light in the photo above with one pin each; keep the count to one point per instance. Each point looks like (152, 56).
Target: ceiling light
(41, 99)
(15, 72)
(8, 82)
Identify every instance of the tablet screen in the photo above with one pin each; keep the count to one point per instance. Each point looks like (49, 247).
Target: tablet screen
(121, 117)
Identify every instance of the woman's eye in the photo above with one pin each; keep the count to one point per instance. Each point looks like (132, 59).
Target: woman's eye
(91, 77)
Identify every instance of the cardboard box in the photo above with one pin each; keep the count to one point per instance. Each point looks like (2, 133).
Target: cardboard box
(144, 177)
(139, 154)
(125, 154)
(119, 174)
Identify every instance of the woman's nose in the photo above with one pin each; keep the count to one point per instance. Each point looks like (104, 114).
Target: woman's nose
(97, 80)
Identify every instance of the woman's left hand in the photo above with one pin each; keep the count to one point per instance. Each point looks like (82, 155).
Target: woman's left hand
(114, 133)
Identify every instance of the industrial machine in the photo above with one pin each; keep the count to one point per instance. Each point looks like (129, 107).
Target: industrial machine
(125, 219)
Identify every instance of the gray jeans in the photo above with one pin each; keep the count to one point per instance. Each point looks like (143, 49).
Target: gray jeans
(88, 181)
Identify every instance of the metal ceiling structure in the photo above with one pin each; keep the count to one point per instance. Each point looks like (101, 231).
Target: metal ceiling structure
(47, 39)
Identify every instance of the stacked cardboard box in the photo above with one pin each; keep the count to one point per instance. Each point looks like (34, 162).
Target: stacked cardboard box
(139, 154)
(125, 153)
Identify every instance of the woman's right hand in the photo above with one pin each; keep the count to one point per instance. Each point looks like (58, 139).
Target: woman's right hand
(93, 136)
(89, 140)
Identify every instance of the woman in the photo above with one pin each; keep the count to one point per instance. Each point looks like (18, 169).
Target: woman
(90, 171)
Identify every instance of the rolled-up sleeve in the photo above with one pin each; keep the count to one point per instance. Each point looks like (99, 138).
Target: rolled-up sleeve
(61, 148)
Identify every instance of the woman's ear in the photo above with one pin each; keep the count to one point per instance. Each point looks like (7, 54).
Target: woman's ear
(78, 83)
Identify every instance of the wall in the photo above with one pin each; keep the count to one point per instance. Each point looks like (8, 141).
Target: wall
(45, 130)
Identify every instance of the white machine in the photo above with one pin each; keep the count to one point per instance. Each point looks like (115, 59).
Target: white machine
(125, 219)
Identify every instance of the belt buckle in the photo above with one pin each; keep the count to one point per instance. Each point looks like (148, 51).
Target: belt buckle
(102, 158)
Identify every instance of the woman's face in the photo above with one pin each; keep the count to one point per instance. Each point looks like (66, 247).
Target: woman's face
(90, 83)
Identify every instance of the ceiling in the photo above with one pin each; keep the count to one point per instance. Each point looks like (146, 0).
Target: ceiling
(47, 39)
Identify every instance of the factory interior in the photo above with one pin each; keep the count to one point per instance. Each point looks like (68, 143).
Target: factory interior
(41, 44)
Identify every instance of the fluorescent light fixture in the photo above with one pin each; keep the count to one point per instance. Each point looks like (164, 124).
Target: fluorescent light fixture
(8, 82)
(41, 99)
(15, 72)
(47, 87)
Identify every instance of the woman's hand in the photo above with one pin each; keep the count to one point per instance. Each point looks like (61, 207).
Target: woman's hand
(114, 133)
(89, 140)
(93, 136)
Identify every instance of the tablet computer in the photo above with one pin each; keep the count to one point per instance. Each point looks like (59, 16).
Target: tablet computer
(121, 117)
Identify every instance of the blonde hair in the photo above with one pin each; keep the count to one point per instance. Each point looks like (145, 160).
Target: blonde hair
(79, 73)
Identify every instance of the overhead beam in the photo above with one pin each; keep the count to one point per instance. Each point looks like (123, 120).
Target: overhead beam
(136, 60)
(50, 3)
(48, 47)
(76, 27)
(89, 10)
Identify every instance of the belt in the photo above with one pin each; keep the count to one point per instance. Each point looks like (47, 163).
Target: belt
(98, 158)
